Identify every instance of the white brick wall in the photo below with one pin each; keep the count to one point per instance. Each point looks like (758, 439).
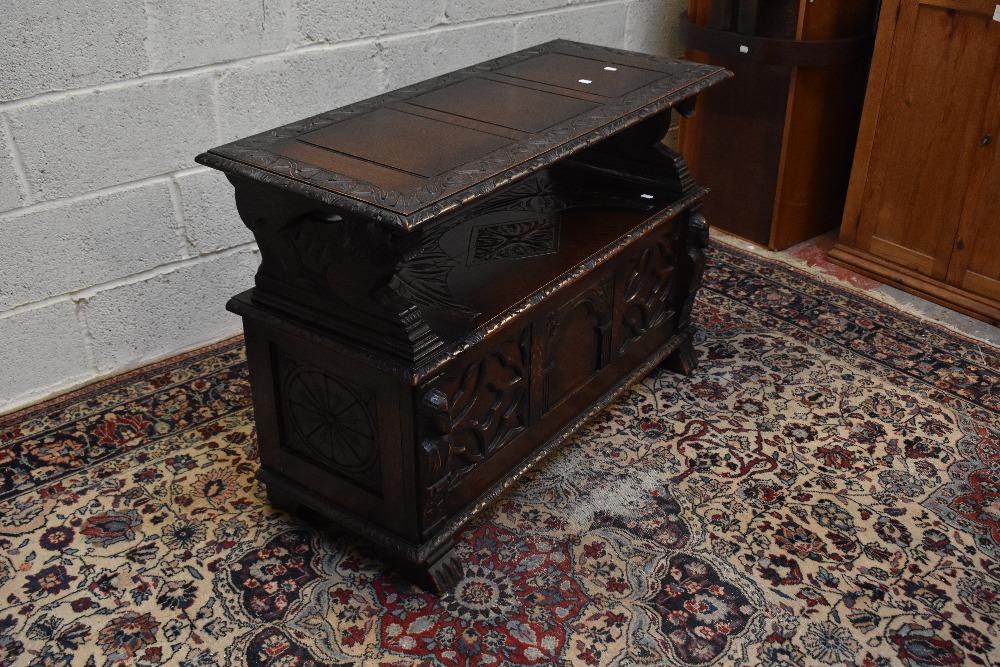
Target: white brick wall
(116, 248)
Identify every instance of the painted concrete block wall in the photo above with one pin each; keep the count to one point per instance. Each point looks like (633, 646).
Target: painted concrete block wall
(117, 249)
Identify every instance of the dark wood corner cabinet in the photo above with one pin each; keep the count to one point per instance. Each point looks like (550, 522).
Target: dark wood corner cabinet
(456, 276)
(921, 209)
(775, 145)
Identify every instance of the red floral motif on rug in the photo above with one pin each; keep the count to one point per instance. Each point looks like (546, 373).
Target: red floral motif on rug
(823, 490)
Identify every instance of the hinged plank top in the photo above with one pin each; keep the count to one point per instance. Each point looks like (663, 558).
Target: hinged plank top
(411, 155)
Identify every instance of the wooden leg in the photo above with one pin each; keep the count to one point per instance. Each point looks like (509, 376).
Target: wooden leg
(683, 360)
(281, 500)
(438, 574)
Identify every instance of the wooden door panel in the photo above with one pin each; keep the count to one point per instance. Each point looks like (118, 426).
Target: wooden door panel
(981, 270)
(941, 73)
(975, 262)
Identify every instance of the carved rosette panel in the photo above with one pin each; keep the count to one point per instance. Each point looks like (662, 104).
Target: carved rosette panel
(578, 343)
(333, 423)
(646, 302)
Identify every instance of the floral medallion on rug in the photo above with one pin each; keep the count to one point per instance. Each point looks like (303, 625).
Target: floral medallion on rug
(824, 490)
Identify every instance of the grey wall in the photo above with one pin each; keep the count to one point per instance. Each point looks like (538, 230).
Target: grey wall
(116, 248)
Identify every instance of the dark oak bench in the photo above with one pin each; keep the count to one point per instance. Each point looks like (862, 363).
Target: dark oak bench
(456, 276)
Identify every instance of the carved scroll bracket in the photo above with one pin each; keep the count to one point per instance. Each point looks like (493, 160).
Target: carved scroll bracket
(633, 151)
(339, 266)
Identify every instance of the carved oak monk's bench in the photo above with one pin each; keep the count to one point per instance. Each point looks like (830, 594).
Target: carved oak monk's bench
(456, 276)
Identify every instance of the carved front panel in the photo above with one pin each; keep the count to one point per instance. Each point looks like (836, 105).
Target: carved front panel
(578, 343)
(649, 284)
(331, 422)
(470, 413)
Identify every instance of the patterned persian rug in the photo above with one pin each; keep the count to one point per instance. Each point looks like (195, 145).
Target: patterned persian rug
(825, 490)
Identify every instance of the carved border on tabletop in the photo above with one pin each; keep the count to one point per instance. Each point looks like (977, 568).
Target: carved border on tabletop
(407, 208)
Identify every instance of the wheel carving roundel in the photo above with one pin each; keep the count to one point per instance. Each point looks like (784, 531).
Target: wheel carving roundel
(332, 420)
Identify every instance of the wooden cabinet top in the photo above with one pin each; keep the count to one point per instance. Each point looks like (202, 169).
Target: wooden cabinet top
(409, 156)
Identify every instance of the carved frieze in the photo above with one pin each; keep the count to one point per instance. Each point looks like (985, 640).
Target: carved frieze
(326, 252)
(514, 240)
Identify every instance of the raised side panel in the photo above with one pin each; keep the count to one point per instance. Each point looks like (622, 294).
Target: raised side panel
(332, 426)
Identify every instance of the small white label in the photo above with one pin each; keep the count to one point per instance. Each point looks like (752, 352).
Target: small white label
(996, 13)
(586, 81)
(646, 196)
(615, 69)
(744, 49)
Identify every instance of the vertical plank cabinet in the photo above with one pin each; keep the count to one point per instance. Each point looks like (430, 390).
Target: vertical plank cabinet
(775, 145)
(458, 274)
(921, 211)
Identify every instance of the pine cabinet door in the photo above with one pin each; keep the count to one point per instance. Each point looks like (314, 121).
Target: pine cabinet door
(928, 155)
(975, 262)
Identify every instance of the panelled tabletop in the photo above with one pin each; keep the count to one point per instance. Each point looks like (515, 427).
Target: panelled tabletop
(412, 155)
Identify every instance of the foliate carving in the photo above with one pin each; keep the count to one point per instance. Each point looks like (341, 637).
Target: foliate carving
(434, 459)
(340, 265)
(693, 267)
(648, 288)
(332, 422)
(471, 413)
(514, 240)
(313, 249)
(422, 278)
(526, 221)
(489, 405)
